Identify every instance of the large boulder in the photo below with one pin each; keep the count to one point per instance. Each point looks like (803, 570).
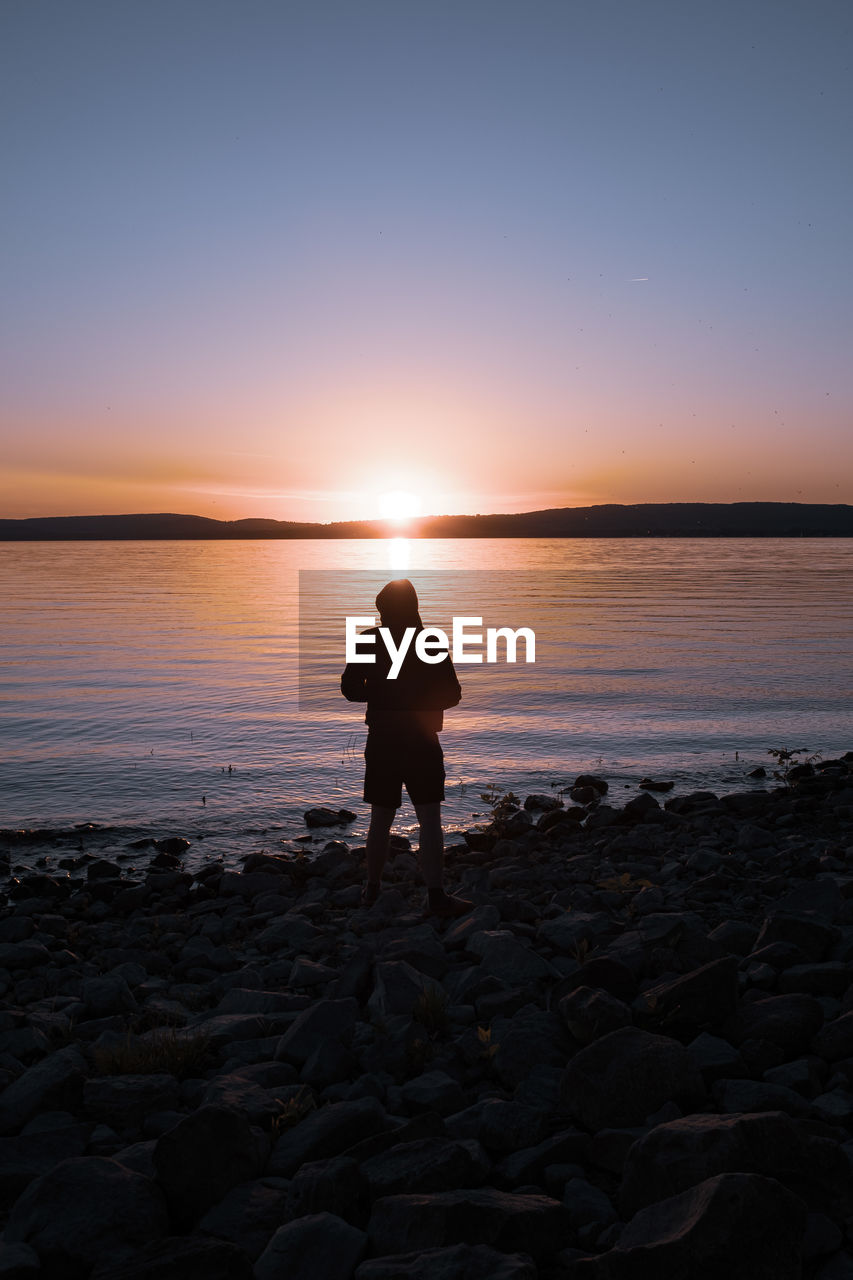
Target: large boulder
(505, 957)
(203, 1157)
(705, 997)
(590, 1013)
(315, 1246)
(788, 1021)
(430, 1164)
(327, 1132)
(813, 936)
(397, 986)
(247, 1216)
(321, 1022)
(29, 1155)
(456, 1262)
(529, 1038)
(180, 1258)
(84, 1209)
(738, 1225)
(835, 1039)
(54, 1084)
(123, 1102)
(627, 1075)
(532, 1224)
(681, 1153)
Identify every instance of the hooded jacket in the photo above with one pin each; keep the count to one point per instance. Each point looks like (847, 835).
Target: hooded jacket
(415, 702)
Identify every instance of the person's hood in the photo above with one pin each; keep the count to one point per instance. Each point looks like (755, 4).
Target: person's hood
(397, 603)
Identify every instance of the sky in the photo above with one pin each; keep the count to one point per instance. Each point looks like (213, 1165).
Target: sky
(283, 259)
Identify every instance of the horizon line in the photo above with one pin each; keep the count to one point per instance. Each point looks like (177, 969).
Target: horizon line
(414, 521)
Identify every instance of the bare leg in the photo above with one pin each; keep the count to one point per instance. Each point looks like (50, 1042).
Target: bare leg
(378, 833)
(431, 838)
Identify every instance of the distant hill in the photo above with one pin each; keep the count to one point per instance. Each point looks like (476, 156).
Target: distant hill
(655, 520)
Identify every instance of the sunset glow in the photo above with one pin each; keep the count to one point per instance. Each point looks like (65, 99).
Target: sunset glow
(332, 258)
(399, 506)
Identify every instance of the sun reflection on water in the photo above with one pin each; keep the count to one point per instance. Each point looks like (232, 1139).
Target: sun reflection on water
(399, 553)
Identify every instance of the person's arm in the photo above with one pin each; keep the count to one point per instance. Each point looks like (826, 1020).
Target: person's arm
(354, 683)
(451, 689)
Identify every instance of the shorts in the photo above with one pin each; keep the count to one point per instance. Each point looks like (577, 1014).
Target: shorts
(392, 762)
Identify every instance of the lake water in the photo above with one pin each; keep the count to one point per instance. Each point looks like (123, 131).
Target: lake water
(136, 673)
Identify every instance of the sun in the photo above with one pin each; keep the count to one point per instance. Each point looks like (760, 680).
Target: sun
(398, 506)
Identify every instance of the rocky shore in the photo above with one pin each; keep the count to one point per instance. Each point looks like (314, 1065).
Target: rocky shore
(634, 1058)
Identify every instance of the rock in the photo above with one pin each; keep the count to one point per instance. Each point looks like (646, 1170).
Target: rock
(834, 1107)
(322, 817)
(83, 1209)
(181, 1258)
(203, 1157)
(608, 1149)
(315, 1246)
(326, 1132)
(30, 1155)
(716, 1058)
(430, 1164)
(531, 1037)
(326, 1186)
(623, 1077)
(240, 1000)
(55, 1083)
(592, 780)
(123, 1102)
(739, 1225)
(821, 1237)
(735, 936)
(545, 803)
(175, 845)
(502, 955)
(835, 1039)
(640, 806)
(682, 1153)
(307, 974)
(757, 1095)
(529, 1164)
(531, 1224)
(321, 1021)
(556, 818)
(831, 978)
(606, 974)
(509, 1126)
(457, 1262)
(500, 1125)
(805, 1075)
(589, 1014)
(811, 935)
(433, 1091)
(246, 1216)
(238, 1093)
(705, 997)
(18, 1262)
(396, 988)
(108, 995)
(139, 1158)
(23, 955)
(647, 784)
(789, 1021)
(587, 1204)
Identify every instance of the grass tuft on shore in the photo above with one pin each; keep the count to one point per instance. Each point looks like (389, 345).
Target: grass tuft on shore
(171, 1051)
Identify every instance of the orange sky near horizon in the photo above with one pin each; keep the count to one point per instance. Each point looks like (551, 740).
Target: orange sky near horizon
(499, 257)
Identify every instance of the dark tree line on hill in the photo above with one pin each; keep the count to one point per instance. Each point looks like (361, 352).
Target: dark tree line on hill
(657, 520)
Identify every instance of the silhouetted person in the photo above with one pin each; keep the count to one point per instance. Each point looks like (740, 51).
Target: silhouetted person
(404, 718)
